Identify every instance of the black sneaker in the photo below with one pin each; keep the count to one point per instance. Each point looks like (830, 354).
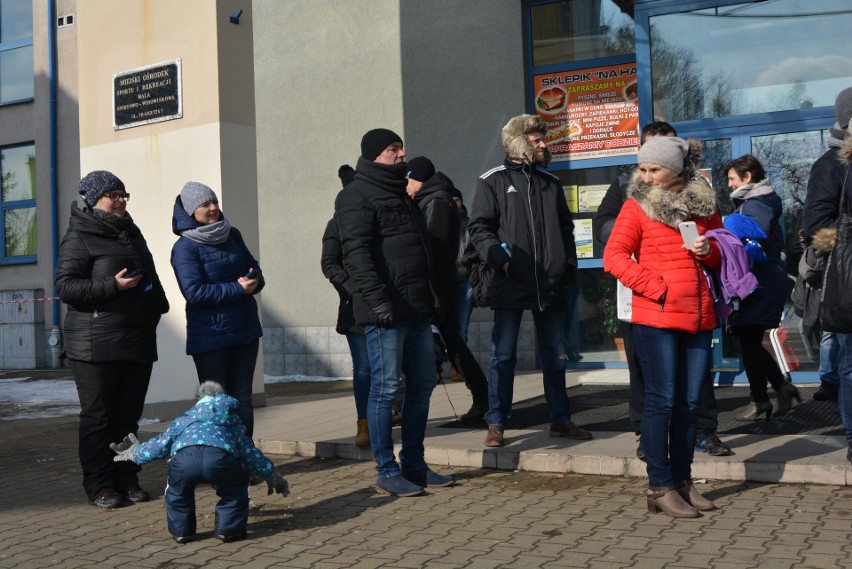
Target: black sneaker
(231, 537)
(182, 539)
(707, 441)
(136, 494)
(827, 391)
(108, 499)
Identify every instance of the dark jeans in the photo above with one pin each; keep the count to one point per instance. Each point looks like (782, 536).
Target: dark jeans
(360, 372)
(112, 396)
(233, 368)
(196, 465)
(708, 412)
(675, 369)
(460, 355)
(759, 364)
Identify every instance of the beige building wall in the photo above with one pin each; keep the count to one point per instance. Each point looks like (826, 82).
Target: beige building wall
(212, 143)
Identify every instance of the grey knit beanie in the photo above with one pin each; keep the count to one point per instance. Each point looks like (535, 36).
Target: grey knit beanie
(666, 151)
(97, 183)
(843, 107)
(194, 194)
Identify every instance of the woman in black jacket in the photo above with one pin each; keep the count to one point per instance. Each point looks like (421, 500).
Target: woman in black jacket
(105, 275)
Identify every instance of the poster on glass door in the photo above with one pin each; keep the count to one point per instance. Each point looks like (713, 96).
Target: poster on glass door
(590, 113)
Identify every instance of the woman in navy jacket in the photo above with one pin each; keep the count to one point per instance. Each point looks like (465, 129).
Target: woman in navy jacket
(218, 277)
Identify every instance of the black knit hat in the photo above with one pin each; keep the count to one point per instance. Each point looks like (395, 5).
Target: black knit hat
(97, 183)
(420, 168)
(376, 141)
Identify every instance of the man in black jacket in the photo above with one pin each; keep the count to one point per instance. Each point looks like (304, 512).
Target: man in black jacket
(386, 253)
(521, 226)
(432, 192)
(708, 415)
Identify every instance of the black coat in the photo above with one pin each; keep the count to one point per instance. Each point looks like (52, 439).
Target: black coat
(385, 244)
(524, 208)
(442, 220)
(331, 262)
(822, 200)
(103, 324)
(609, 208)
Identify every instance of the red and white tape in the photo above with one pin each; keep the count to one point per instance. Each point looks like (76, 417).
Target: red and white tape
(29, 300)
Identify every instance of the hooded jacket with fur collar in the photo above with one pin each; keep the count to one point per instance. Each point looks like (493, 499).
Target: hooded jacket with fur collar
(669, 287)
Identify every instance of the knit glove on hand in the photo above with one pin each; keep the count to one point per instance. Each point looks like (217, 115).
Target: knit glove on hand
(126, 448)
(278, 484)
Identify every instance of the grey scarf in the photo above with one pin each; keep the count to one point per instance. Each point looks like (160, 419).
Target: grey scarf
(838, 136)
(213, 234)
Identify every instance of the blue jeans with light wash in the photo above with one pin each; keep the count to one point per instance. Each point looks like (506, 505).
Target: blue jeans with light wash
(829, 349)
(549, 328)
(674, 365)
(360, 372)
(408, 348)
(844, 394)
(464, 308)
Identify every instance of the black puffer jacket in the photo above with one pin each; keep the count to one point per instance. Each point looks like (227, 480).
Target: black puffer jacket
(331, 262)
(609, 208)
(442, 220)
(385, 243)
(103, 324)
(525, 208)
(822, 200)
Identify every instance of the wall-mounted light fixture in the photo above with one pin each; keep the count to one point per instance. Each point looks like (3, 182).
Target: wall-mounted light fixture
(235, 19)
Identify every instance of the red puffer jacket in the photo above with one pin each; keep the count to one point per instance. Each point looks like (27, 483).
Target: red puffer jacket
(647, 228)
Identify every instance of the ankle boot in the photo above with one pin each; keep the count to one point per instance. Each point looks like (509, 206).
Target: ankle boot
(690, 494)
(754, 410)
(786, 393)
(362, 434)
(668, 500)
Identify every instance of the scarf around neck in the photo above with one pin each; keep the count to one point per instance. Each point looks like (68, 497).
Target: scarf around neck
(838, 136)
(389, 177)
(213, 234)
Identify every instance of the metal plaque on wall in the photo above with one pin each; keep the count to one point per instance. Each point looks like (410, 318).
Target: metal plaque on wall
(147, 95)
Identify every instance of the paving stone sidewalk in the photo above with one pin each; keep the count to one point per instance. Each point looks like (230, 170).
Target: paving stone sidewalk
(334, 519)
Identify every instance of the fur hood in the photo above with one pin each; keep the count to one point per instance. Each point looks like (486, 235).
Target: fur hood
(846, 151)
(696, 200)
(825, 238)
(516, 143)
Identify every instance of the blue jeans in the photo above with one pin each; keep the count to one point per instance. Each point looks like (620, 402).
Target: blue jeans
(233, 369)
(844, 394)
(360, 372)
(829, 349)
(464, 308)
(549, 328)
(407, 348)
(674, 365)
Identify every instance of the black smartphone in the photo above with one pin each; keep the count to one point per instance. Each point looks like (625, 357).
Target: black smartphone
(252, 274)
(132, 273)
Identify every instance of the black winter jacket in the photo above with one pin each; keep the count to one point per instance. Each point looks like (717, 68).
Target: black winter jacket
(385, 244)
(442, 220)
(525, 208)
(822, 200)
(331, 262)
(103, 324)
(609, 208)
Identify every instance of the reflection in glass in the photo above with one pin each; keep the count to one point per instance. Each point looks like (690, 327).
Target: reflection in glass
(572, 30)
(16, 20)
(20, 231)
(16, 74)
(17, 173)
(717, 154)
(797, 57)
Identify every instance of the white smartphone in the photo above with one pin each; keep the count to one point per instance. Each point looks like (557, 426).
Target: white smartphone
(689, 232)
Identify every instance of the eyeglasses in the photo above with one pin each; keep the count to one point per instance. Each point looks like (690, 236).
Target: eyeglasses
(115, 196)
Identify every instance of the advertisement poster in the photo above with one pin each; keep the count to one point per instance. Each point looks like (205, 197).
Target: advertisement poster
(571, 198)
(583, 238)
(590, 197)
(590, 113)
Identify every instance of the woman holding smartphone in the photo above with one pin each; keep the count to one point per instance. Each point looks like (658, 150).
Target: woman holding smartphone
(218, 277)
(673, 312)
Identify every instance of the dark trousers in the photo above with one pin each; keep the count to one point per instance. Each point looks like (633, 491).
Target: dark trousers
(460, 355)
(759, 364)
(708, 413)
(196, 465)
(233, 369)
(112, 396)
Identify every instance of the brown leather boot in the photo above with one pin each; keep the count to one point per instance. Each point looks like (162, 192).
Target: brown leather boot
(362, 434)
(690, 494)
(494, 438)
(668, 500)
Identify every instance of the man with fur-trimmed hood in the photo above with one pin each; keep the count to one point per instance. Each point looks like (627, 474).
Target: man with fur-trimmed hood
(521, 226)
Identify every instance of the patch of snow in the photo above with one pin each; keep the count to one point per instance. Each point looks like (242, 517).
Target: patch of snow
(298, 378)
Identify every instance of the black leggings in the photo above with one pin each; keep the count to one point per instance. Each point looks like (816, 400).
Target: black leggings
(759, 364)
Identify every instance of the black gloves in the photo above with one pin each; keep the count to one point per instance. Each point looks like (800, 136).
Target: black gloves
(278, 484)
(383, 314)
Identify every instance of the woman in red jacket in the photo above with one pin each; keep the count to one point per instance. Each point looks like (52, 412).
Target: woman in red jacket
(673, 314)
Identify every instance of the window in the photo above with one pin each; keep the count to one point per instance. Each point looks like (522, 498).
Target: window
(17, 203)
(749, 58)
(16, 51)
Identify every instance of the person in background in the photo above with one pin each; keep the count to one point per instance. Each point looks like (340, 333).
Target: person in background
(386, 253)
(207, 445)
(673, 312)
(218, 277)
(464, 305)
(431, 191)
(106, 276)
(332, 268)
(521, 226)
(754, 198)
(706, 439)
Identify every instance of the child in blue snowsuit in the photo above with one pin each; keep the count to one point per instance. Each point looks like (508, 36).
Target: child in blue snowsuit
(208, 444)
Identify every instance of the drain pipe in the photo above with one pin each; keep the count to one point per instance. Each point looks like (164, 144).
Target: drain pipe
(55, 338)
